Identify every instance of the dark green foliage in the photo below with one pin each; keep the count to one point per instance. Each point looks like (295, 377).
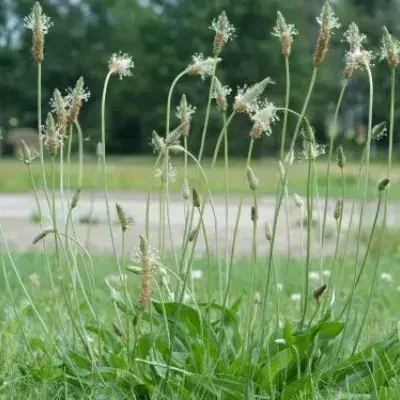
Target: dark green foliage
(161, 37)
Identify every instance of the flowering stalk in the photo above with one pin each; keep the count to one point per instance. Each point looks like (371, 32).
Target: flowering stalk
(374, 276)
(207, 115)
(233, 247)
(310, 206)
(221, 136)
(226, 162)
(330, 151)
(280, 197)
(103, 143)
(119, 64)
(367, 157)
(253, 183)
(357, 277)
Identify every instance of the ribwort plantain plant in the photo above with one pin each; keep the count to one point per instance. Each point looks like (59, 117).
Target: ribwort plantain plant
(150, 331)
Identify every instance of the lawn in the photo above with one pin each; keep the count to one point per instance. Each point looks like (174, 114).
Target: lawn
(134, 173)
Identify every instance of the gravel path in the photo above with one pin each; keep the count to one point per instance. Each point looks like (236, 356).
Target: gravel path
(19, 230)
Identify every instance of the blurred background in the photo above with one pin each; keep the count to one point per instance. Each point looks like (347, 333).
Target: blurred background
(161, 36)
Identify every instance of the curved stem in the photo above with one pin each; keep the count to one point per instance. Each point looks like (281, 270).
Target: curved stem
(367, 158)
(331, 144)
(103, 142)
(221, 136)
(310, 204)
(171, 89)
(280, 197)
(207, 116)
(233, 247)
(373, 278)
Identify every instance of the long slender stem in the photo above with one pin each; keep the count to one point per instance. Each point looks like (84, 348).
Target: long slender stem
(233, 247)
(331, 144)
(80, 151)
(221, 137)
(391, 124)
(252, 273)
(280, 197)
(171, 89)
(103, 142)
(207, 116)
(378, 257)
(367, 157)
(39, 119)
(310, 197)
(226, 162)
(285, 115)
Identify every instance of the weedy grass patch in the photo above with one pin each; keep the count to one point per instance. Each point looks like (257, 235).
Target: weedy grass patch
(156, 323)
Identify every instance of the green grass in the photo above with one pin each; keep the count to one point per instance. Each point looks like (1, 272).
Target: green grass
(135, 173)
(384, 307)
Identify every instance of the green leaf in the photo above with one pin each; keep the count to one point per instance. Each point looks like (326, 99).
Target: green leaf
(386, 393)
(144, 345)
(330, 330)
(270, 371)
(77, 364)
(213, 386)
(236, 304)
(289, 335)
(300, 386)
(186, 313)
(43, 373)
(37, 343)
(109, 338)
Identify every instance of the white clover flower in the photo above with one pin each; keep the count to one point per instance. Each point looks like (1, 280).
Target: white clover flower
(246, 99)
(315, 276)
(326, 273)
(296, 297)
(280, 341)
(44, 23)
(328, 19)
(202, 66)
(224, 31)
(197, 274)
(160, 173)
(121, 64)
(386, 277)
(279, 287)
(262, 118)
